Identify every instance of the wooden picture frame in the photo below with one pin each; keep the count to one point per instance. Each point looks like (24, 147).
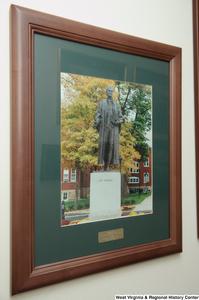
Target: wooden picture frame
(25, 23)
(196, 94)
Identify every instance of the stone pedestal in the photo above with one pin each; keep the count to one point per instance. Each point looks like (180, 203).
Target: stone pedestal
(105, 195)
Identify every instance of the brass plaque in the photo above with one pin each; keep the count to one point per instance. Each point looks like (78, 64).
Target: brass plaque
(110, 235)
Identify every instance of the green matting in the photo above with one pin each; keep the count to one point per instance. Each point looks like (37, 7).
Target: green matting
(54, 243)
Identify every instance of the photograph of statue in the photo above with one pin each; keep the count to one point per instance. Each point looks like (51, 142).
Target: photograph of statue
(106, 128)
(108, 122)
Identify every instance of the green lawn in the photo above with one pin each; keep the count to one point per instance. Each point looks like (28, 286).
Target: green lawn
(85, 203)
(135, 198)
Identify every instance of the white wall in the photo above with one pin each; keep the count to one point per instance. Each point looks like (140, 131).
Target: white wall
(167, 21)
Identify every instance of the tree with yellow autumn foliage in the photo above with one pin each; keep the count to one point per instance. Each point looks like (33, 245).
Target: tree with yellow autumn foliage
(79, 140)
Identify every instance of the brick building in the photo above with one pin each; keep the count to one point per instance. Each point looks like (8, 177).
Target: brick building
(140, 178)
(68, 183)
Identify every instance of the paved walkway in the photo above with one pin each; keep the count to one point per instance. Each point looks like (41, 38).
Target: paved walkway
(146, 205)
(77, 212)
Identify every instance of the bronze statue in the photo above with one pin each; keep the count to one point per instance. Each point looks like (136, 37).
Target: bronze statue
(108, 122)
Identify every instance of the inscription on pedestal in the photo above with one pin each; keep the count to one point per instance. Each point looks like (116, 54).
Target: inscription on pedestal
(105, 180)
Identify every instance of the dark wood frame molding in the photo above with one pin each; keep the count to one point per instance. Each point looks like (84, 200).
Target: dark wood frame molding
(196, 91)
(25, 23)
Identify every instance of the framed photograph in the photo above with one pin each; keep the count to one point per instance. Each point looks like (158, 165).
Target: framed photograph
(83, 147)
(196, 91)
(65, 76)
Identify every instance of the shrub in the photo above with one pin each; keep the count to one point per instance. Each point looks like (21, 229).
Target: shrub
(131, 191)
(125, 207)
(83, 220)
(126, 202)
(87, 205)
(71, 207)
(74, 222)
(79, 206)
(65, 222)
(133, 213)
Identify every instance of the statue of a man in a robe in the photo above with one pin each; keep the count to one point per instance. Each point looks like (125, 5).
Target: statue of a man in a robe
(108, 123)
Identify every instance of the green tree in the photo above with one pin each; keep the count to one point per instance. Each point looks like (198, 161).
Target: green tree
(135, 101)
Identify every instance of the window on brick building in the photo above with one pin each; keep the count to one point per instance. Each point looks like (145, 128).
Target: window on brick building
(136, 164)
(133, 179)
(146, 163)
(146, 177)
(65, 196)
(73, 175)
(65, 176)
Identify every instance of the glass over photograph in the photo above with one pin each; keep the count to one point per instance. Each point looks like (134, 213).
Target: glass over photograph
(106, 149)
